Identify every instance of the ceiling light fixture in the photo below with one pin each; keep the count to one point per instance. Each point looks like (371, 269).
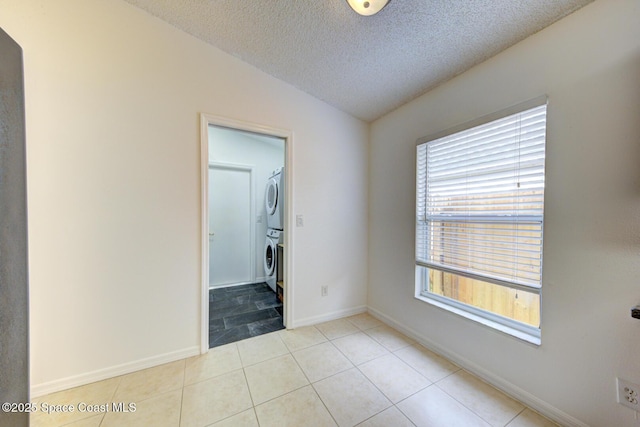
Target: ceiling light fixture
(367, 7)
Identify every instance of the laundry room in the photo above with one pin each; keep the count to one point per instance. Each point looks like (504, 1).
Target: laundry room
(246, 232)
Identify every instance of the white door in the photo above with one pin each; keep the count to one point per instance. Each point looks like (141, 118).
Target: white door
(230, 248)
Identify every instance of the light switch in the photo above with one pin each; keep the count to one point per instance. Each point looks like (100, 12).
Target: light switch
(259, 219)
(299, 221)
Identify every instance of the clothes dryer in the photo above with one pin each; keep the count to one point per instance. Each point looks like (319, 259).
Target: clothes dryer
(274, 200)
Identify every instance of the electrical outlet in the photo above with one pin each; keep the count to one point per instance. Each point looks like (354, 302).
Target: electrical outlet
(324, 290)
(628, 394)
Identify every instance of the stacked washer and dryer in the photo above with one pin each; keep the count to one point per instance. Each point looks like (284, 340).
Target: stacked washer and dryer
(274, 203)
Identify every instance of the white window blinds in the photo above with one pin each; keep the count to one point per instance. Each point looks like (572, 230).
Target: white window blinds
(480, 199)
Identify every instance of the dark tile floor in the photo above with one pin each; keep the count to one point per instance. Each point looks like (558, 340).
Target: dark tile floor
(240, 312)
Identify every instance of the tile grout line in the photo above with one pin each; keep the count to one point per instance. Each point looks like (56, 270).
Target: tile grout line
(516, 416)
(465, 406)
(355, 366)
(253, 403)
(113, 395)
(311, 384)
(324, 404)
(276, 397)
(184, 385)
(181, 405)
(470, 409)
(395, 405)
(249, 291)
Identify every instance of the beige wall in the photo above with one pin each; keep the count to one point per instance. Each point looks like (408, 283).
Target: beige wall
(589, 66)
(113, 98)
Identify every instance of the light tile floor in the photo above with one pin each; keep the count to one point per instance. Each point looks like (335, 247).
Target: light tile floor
(347, 372)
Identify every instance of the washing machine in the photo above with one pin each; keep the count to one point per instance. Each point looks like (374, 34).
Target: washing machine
(274, 200)
(274, 237)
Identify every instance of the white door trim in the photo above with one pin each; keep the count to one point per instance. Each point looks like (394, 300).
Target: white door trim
(252, 212)
(288, 271)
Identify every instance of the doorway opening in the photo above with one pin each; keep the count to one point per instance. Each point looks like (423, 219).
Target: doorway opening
(246, 251)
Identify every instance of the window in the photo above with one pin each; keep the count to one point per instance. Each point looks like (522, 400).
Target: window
(479, 220)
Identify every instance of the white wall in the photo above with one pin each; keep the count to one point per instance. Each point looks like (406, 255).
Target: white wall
(265, 154)
(589, 66)
(113, 98)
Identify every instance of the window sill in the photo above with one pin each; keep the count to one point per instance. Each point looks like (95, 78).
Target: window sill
(522, 335)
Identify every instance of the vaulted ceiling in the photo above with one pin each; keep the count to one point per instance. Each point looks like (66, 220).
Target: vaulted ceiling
(365, 66)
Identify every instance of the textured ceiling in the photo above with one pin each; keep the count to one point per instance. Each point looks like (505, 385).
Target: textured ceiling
(365, 66)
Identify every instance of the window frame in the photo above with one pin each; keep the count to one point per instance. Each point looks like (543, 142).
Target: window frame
(496, 321)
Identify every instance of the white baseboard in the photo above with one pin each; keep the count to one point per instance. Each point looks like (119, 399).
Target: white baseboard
(110, 372)
(307, 321)
(498, 382)
(230, 285)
